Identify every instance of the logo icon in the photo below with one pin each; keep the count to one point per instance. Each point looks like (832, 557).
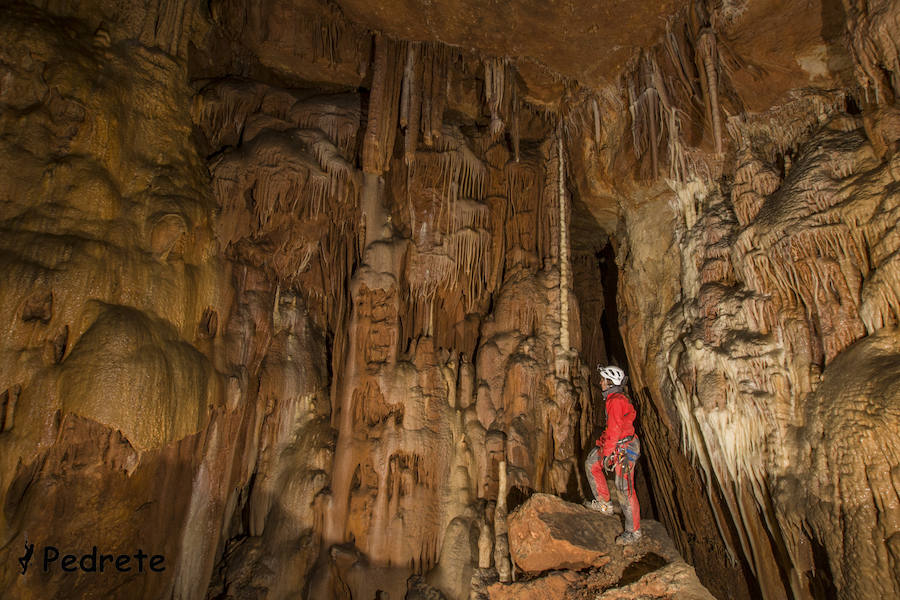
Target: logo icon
(26, 558)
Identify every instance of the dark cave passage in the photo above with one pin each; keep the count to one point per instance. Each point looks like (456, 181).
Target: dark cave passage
(612, 336)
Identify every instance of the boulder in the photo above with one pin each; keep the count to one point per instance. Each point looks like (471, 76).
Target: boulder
(564, 550)
(549, 533)
(675, 581)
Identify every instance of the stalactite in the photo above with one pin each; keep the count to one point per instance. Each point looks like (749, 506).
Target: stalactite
(408, 72)
(440, 65)
(706, 47)
(427, 99)
(411, 139)
(654, 138)
(514, 122)
(494, 87)
(326, 35)
(384, 100)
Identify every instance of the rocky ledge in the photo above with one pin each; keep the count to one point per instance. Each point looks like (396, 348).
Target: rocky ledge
(566, 551)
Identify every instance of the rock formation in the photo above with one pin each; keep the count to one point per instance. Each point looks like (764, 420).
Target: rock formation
(305, 296)
(567, 551)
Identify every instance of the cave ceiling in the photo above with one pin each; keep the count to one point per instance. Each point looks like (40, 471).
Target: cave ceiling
(582, 39)
(771, 48)
(778, 45)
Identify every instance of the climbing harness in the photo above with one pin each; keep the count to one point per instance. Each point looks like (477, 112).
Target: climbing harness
(625, 455)
(609, 463)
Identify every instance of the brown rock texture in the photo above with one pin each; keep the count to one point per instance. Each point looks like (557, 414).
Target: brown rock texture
(305, 295)
(554, 585)
(546, 533)
(569, 551)
(676, 581)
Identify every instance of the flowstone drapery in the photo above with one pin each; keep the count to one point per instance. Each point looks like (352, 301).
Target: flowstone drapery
(300, 294)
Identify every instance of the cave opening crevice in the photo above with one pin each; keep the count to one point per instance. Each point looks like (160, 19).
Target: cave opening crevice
(612, 336)
(616, 355)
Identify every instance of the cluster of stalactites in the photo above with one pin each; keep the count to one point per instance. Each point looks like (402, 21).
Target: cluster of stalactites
(775, 134)
(230, 110)
(470, 250)
(653, 117)
(452, 169)
(327, 31)
(453, 239)
(501, 97)
(750, 272)
(720, 374)
(782, 277)
(753, 181)
(426, 81)
(384, 104)
(285, 183)
(676, 87)
(873, 30)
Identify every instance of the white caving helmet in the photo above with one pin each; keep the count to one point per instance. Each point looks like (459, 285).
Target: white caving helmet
(613, 373)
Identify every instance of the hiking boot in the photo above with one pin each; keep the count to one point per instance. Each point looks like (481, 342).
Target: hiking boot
(628, 537)
(600, 506)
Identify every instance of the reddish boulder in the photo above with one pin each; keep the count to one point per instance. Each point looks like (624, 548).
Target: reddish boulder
(554, 585)
(549, 533)
(674, 581)
(567, 551)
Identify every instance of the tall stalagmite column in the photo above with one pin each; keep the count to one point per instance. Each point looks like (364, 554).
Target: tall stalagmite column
(563, 248)
(376, 281)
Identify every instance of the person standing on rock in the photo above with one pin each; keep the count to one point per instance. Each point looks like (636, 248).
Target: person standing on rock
(619, 449)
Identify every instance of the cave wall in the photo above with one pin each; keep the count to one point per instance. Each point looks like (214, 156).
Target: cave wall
(780, 287)
(772, 258)
(252, 317)
(303, 307)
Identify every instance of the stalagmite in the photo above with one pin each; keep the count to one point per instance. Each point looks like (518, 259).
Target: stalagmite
(501, 539)
(563, 247)
(485, 546)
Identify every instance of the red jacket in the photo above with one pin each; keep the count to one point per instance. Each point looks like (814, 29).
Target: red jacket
(619, 422)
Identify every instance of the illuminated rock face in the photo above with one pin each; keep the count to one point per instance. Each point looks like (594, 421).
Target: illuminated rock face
(568, 551)
(307, 310)
(783, 287)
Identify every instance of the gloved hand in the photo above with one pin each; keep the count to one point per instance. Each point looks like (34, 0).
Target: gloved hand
(609, 462)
